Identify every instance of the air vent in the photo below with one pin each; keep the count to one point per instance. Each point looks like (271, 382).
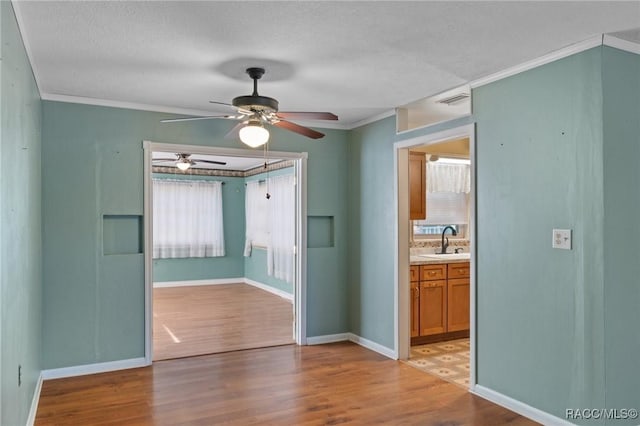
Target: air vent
(452, 100)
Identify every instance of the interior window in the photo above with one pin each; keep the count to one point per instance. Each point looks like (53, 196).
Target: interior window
(447, 199)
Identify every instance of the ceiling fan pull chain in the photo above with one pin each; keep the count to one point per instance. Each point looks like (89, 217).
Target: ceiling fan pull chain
(265, 153)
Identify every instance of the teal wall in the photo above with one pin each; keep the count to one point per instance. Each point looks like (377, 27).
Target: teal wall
(255, 266)
(371, 226)
(371, 230)
(231, 265)
(556, 147)
(20, 225)
(539, 166)
(621, 88)
(95, 303)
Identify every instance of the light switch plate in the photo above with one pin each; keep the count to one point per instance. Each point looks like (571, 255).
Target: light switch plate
(561, 239)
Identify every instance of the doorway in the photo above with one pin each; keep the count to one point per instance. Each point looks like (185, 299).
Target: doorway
(422, 269)
(199, 305)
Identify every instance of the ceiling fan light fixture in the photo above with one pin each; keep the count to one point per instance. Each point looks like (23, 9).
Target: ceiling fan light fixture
(254, 134)
(183, 164)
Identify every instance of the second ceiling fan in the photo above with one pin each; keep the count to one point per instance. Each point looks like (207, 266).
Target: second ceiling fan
(255, 111)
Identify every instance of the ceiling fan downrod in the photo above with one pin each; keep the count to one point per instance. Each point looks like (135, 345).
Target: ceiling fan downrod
(255, 102)
(256, 74)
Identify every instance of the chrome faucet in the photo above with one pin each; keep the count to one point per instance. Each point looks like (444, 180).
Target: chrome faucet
(445, 245)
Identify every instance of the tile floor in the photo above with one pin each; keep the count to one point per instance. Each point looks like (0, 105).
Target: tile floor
(447, 360)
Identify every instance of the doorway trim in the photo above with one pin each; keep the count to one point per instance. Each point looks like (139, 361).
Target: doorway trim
(402, 321)
(300, 287)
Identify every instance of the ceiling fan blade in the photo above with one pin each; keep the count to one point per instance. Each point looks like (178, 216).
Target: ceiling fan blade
(164, 159)
(301, 115)
(305, 131)
(222, 163)
(234, 133)
(208, 117)
(240, 110)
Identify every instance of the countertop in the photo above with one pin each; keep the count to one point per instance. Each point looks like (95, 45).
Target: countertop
(433, 259)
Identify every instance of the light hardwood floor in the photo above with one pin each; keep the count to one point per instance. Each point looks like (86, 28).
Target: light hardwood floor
(200, 320)
(285, 385)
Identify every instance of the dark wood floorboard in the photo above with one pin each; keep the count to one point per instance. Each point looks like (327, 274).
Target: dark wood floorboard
(287, 385)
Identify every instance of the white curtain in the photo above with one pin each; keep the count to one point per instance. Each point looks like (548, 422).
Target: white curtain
(255, 216)
(448, 177)
(281, 207)
(187, 218)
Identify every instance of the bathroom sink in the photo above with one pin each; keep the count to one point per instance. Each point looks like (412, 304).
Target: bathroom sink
(448, 256)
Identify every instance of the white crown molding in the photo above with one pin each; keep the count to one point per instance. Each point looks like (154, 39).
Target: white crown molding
(371, 119)
(621, 44)
(126, 105)
(102, 367)
(34, 402)
(542, 60)
(166, 109)
(519, 407)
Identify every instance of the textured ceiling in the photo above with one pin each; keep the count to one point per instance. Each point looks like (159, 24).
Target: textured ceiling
(356, 59)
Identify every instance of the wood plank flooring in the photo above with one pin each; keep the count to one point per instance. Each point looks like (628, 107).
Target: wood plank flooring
(199, 320)
(285, 385)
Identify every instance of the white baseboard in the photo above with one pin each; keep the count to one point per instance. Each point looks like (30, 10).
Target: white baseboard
(102, 367)
(371, 345)
(219, 281)
(327, 338)
(268, 288)
(34, 402)
(198, 282)
(519, 407)
(365, 343)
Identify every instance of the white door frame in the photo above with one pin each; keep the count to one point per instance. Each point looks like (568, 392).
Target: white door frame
(300, 293)
(402, 339)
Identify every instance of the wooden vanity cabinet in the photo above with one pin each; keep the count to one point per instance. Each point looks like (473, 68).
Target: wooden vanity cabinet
(433, 299)
(439, 301)
(417, 186)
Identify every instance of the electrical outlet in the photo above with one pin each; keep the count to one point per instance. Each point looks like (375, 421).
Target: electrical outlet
(561, 239)
(19, 375)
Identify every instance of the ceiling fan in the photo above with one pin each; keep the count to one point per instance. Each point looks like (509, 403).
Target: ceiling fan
(183, 162)
(255, 111)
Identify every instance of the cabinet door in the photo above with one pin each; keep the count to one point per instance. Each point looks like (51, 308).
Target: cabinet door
(415, 309)
(417, 186)
(433, 307)
(458, 304)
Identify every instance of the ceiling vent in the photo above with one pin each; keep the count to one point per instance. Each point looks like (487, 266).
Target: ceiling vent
(455, 99)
